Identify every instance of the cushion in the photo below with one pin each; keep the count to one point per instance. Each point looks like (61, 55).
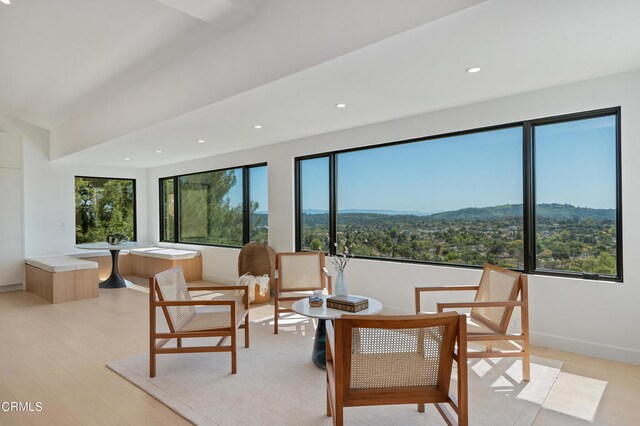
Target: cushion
(142, 251)
(172, 254)
(473, 326)
(81, 254)
(214, 320)
(60, 263)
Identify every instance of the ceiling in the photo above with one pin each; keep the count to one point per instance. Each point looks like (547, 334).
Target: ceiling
(408, 67)
(54, 52)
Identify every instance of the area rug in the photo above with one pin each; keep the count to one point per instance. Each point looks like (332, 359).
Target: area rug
(277, 384)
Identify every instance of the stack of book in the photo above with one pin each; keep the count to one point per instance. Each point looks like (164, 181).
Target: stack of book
(348, 303)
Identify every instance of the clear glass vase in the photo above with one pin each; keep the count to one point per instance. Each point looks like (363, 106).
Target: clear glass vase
(342, 288)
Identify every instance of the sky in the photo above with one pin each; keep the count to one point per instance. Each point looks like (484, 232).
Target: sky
(258, 188)
(574, 164)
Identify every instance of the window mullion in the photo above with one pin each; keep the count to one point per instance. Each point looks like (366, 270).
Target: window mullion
(176, 210)
(333, 205)
(528, 193)
(246, 219)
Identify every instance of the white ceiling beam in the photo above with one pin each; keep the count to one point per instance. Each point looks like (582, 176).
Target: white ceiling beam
(285, 37)
(223, 13)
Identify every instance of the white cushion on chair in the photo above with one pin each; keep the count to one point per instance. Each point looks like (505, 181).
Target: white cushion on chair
(60, 263)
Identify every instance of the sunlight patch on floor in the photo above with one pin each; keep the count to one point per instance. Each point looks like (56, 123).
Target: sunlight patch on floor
(576, 396)
(481, 367)
(542, 379)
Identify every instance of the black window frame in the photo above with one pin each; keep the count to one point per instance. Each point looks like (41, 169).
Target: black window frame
(135, 197)
(528, 181)
(246, 219)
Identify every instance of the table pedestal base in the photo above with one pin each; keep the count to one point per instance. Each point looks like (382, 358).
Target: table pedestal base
(319, 353)
(115, 280)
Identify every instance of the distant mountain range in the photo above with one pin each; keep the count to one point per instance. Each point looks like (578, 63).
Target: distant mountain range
(365, 211)
(555, 211)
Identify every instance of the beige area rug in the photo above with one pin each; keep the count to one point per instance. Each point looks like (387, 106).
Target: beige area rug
(277, 384)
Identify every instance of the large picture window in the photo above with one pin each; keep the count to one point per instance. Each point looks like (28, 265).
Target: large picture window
(220, 207)
(314, 203)
(539, 196)
(456, 199)
(259, 206)
(575, 195)
(104, 206)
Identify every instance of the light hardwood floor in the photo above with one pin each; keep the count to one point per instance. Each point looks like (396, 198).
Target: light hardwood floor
(56, 354)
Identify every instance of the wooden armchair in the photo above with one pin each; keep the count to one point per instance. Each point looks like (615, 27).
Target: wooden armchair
(168, 290)
(384, 360)
(496, 296)
(298, 273)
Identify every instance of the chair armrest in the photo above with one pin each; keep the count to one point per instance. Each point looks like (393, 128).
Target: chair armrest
(419, 290)
(448, 288)
(219, 287)
(502, 304)
(194, 303)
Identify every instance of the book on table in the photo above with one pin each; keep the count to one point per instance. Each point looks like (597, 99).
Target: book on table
(348, 303)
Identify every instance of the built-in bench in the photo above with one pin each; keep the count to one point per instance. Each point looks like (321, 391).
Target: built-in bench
(61, 278)
(146, 262)
(103, 259)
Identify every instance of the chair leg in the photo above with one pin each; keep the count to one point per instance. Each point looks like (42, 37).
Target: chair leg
(421, 407)
(246, 331)
(488, 346)
(152, 364)
(275, 317)
(328, 402)
(233, 350)
(526, 366)
(179, 342)
(338, 418)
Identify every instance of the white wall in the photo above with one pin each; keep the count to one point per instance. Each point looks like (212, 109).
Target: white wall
(49, 198)
(595, 318)
(11, 212)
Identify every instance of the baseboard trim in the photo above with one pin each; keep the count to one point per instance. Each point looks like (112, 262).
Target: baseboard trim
(597, 350)
(12, 287)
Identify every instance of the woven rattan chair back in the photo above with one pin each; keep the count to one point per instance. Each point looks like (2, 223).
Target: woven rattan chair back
(384, 358)
(171, 285)
(496, 285)
(389, 360)
(388, 354)
(257, 259)
(300, 271)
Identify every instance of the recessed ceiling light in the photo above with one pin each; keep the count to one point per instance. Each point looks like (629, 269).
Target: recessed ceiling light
(6, 1)
(341, 105)
(127, 159)
(158, 152)
(200, 141)
(257, 126)
(473, 70)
